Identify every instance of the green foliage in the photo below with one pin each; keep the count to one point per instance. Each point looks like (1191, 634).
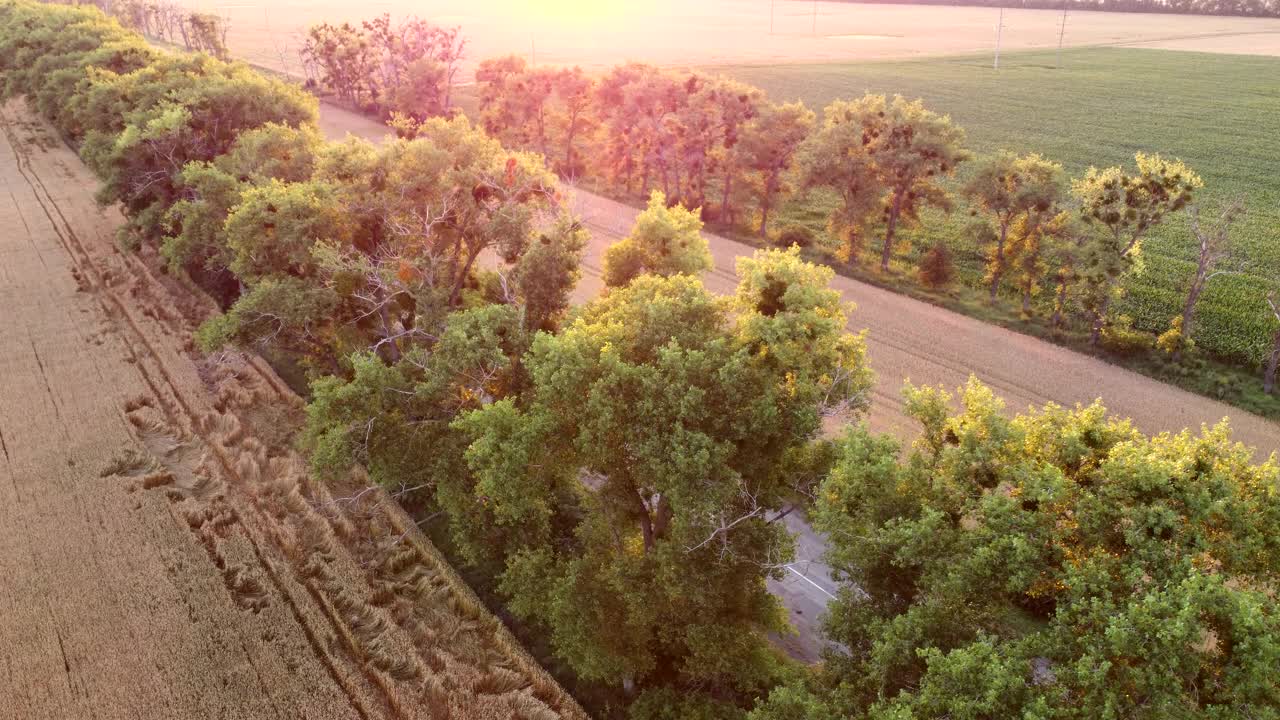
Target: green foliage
(664, 241)
(765, 152)
(884, 159)
(1119, 336)
(1172, 340)
(196, 121)
(1055, 565)
(659, 426)
(547, 272)
(668, 704)
(1011, 190)
(1083, 115)
(211, 189)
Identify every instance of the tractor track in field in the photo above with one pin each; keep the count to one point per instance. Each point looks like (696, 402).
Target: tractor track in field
(169, 554)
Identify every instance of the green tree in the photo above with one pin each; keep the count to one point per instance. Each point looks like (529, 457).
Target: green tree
(1043, 246)
(882, 155)
(1011, 189)
(1123, 207)
(197, 119)
(670, 417)
(664, 241)
(197, 241)
(765, 152)
(1058, 564)
(394, 419)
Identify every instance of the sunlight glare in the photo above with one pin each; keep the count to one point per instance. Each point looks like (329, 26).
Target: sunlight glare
(578, 13)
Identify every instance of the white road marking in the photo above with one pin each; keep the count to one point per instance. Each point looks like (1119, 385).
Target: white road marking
(802, 577)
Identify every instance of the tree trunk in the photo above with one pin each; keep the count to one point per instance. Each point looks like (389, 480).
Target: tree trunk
(1189, 308)
(393, 348)
(1100, 318)
(646, 521)
(568, 147)
(462, 277)
(764, 220)
(663, 519)
(887, 251)
(1269, 378)
(725, 217)
(998, 270)
(1026, 298)
(1059, 303)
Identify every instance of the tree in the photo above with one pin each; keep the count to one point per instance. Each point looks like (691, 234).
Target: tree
(882, 155)
(766, 150)
(1124, 207)
(730, 105)
(575, 92)
(207, 34)
(406, 67)
(664, 241)
(196, 119)
(394, 235)
(546, 273)
(394, 419)
(345, 60)
(540, 109)
(197, 242)
(669, 417)
(1056, 565)
(1215, 250)
(1040, 246)
(416, 64)
(1009, 189)
(836, 157)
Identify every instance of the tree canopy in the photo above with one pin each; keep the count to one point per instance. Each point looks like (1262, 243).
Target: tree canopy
(1058, 564)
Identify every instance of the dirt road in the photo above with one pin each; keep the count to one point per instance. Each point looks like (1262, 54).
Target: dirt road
(163, 552)
(912, 340)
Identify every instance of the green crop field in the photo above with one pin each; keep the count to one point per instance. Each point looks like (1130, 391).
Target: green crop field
(1219, 113)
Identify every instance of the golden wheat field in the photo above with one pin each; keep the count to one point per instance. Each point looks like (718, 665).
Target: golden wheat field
(164, 552)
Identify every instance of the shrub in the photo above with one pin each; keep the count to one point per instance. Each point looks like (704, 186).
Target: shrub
(936, 267)
(1119, 337)
(795, 235)
(1172, 340)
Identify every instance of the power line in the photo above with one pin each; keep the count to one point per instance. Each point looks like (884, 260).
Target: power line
(999, 31)
(1057, 62)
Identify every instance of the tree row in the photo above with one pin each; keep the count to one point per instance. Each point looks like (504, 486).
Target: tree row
(715, 144)
(621, 468)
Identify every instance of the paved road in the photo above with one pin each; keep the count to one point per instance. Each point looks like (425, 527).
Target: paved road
(910, 339)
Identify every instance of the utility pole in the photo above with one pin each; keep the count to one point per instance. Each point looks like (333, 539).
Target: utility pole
(999, 30)
(815, 17)
(772, 3)
(1062, 30)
